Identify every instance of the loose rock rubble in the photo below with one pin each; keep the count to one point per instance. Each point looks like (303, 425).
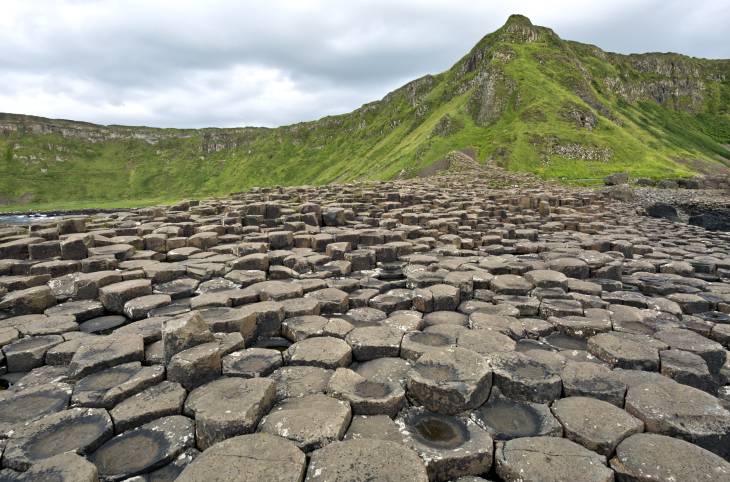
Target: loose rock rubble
(433, 329)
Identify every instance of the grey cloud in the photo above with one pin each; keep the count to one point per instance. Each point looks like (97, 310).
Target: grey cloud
(183, 63)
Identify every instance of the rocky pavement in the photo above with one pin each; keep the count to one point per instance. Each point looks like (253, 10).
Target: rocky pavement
(473, 325)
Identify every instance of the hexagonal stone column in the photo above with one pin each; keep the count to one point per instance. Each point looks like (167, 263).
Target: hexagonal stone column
(450, 380)
(104, 352)
(145, 448)
(115, 295)
(366, 459)
(30, 404)
(592, 380)
(65, 467)
(670, 408)
(321, 351)
(584, 420)
(196, 366)
(372, 342)
(648, 457)
(549, 459)
(523, 378)
(256, 457)
(450, 446)
(367, 397)
(627, 350)
(228, 407)
(78, 430)
(165, 398)
(108, 387)
(311, 422)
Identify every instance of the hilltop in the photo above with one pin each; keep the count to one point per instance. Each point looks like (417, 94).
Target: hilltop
(522, 98)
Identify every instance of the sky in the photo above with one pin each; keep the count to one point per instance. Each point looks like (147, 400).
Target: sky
(182, 63)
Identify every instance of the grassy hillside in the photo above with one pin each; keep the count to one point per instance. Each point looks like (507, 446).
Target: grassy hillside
(522, 97)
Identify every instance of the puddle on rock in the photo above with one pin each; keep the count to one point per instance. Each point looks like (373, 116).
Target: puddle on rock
(509, 419)
(371, 389)
(562, 341)
(438, 431)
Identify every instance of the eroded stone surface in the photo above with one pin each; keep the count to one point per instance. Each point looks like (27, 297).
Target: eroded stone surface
(228, 407)
(311, 422)
(366, 459)
(648, 457)
(79, 430)
(333, 296)
(145, 448)
(449, 446)
(549, 459)
(258, 456)
(450, 380)
(595, 424)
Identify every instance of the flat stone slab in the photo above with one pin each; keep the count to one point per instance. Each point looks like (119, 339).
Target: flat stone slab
(115, 295)
(648, 457)
(486, 342)
(380, 427)
(712, 352)
(183, 332)
(416, 343)
(366, 460)
(144, 448)
(107, 388)
(78, 430)
(28, 353)
(297, 381)
(366, 396)
(627, 350)
(103, 325)
(592, 380)
(549, 459)
(450, 380)
(251, 362)
(258, 457)
(372, 342)
(597, 425)
(300, 327)
(523, 378)
(228, 407)
(450, 446)
(323, 352)
(165, 398)
(385, 370)
(105, 352)
(30, 404)
(65, 467)
(311, 422)
(670, 408)
(196, 366)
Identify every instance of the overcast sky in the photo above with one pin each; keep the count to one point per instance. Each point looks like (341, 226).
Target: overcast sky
(179, 63)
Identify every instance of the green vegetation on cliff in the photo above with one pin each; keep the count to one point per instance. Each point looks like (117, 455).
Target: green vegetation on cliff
(522, 97)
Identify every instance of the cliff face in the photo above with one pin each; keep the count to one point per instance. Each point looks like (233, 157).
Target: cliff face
(522, 97)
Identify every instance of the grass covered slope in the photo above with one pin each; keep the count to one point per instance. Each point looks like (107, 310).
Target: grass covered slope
(522, 97)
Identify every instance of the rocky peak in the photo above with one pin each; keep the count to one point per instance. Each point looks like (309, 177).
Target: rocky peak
(517, 20)
(519, 28)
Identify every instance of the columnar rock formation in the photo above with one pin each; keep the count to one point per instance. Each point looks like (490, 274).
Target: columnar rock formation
(422, 330)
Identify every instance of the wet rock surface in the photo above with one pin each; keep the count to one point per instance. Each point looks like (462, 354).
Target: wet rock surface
(427, 329)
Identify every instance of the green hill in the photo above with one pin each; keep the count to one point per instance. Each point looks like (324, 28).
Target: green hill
(522, 98)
